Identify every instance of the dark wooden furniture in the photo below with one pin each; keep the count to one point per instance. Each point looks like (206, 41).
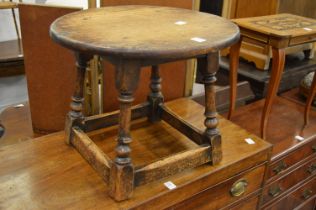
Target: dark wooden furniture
(44, 173)
(291, 174)
(129, 38)
(280, 32)
(295, 69)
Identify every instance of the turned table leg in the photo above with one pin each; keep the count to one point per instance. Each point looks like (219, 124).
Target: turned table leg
(211, 122)
(233, 74)
(310, 98)
(75, 116)
(278, 59)
(122, 171)
(155, 97)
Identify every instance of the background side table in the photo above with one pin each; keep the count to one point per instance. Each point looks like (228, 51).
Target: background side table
(279, 32)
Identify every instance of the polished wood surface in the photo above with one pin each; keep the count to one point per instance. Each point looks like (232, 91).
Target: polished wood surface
(286, 116)
(276, 74)
(162, 45)
(46, 173)
(17, 125)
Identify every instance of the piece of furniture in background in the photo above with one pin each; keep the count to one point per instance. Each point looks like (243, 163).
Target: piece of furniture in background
(128, 52)
(11, 5)
(50, 79)
(11, 52)
(235, 184)
(279, 32)
(261, 54)
(295, 68)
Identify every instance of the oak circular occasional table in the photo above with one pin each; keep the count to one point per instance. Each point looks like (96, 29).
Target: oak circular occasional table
(131, 37)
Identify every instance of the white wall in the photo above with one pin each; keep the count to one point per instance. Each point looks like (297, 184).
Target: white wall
(7, 29)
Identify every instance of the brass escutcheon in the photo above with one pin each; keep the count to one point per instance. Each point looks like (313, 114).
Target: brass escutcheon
(239, 187)
(281, 166)
(275, 191)
(312, 168)
(307, 194)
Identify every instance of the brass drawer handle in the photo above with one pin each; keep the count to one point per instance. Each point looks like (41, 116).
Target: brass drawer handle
(307, 194)
(275, 191)
(239, 187)
(312, 168)
(281, 166)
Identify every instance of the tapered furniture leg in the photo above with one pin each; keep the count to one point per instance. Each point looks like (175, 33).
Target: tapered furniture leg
(311, 96)
(122, 171)
(75, 116)
(278, 59)
(211, 132)
(155, 97)
(233, 73)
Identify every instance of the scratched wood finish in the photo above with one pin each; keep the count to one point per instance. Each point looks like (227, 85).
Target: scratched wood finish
(47, 168)
(127, 37)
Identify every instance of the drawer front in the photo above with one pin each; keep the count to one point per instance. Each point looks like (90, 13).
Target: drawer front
(277, 188)
(302, 39)
(248, 204)
(307, 205)
(280, 167)
(225, 193)
(302, 198)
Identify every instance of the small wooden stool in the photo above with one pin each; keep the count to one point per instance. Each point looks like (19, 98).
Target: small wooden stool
(278, 31)
(131, 37)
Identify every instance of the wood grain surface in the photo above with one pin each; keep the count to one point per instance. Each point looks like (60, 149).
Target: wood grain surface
(286, 121)
(280, 25)
(144, 32)
(45, 173)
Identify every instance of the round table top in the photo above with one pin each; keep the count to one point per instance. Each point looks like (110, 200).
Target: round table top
(144, 32)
